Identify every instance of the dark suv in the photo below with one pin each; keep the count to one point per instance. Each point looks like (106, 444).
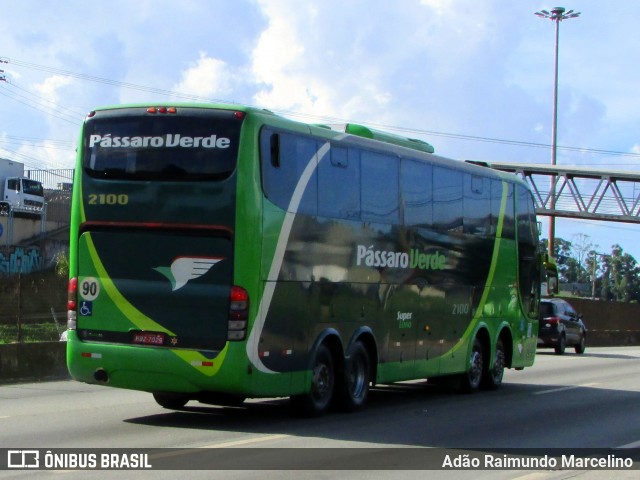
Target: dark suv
(560, 326)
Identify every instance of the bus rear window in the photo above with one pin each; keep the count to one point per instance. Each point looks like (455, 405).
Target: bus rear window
(193, 144)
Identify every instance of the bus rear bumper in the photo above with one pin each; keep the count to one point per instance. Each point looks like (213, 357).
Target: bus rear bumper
(140, 368)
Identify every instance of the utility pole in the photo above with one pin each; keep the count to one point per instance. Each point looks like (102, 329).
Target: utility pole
(3, 77)
(556, 15)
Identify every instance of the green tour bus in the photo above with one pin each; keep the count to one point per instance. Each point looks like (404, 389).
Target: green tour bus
(221, 252)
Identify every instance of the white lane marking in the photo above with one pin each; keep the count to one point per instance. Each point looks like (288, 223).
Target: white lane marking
(562, 389)
(247, 441)
(233, 443)
(631, 445)
(534, 476)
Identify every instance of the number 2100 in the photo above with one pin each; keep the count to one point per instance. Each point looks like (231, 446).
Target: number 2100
(108, 199)
(460, 309)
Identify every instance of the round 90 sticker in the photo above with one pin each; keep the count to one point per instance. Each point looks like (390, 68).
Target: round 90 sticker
(89, 288)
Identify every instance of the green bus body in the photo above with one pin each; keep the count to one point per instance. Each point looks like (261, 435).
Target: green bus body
(226, 251)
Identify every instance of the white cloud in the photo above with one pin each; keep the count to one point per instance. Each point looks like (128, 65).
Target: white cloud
(207, 77)
(309, 61)
(49, 89)
(372, 61)
(275, 62)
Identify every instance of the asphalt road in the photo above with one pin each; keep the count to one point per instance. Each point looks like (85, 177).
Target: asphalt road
(562, 402)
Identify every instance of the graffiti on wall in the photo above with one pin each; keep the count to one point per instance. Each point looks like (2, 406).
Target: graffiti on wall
(20, 260)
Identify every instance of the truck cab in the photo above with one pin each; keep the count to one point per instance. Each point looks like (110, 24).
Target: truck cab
(21, 194)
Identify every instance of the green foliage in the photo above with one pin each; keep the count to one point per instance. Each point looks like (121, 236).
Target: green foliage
(614, 276)
(37, 332)
(62, 264)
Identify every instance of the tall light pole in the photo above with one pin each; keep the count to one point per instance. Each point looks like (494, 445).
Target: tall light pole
(556, 15)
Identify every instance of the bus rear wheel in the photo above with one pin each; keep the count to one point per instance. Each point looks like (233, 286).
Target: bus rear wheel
(323, 380)
(472, 378)
(172, 401)
(357, 376)
(492, 377)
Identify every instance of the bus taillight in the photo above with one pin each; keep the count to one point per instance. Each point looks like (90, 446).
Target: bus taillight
(72, 303)
(238, 313)
(162, 110)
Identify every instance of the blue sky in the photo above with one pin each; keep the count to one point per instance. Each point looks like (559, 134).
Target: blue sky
(440, 70)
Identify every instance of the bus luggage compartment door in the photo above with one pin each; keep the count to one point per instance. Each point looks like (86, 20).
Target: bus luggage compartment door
(154, 288)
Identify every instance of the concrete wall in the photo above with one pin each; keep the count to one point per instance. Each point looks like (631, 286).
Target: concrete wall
(21, 229)
(609, 323)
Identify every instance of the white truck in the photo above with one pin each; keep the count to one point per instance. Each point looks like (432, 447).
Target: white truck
(18, 193)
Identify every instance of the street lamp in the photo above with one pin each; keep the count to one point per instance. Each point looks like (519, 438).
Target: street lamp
(556, 15)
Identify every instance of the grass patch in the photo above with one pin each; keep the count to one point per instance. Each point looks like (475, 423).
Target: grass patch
(34, 332)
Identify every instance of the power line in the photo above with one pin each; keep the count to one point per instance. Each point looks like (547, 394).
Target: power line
(41, 106)
(48, 102)
(56, 144)
(319, 118)
(106, 81)
(508, 142)
(28, 160)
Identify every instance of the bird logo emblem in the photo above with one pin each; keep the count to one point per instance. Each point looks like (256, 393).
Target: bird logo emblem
(185, 269)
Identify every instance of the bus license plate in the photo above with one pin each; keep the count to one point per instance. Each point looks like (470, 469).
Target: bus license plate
(149, 338)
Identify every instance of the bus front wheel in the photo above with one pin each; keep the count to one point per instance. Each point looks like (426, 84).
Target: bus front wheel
(323, 379)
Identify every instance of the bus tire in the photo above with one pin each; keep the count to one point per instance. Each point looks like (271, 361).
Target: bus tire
(472, 378)
(357, 377)
(492, 377)
(172, 401)
(323, 380)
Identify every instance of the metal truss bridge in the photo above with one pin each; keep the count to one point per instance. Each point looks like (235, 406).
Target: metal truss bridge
(583, 193)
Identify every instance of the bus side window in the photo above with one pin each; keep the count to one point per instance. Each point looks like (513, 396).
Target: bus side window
(379, 188)
(477, 206)
(339, 184)
(526, 219)
(447, 200)
(508, 224)
(284, 158)
(416, 179)
(529, 264)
